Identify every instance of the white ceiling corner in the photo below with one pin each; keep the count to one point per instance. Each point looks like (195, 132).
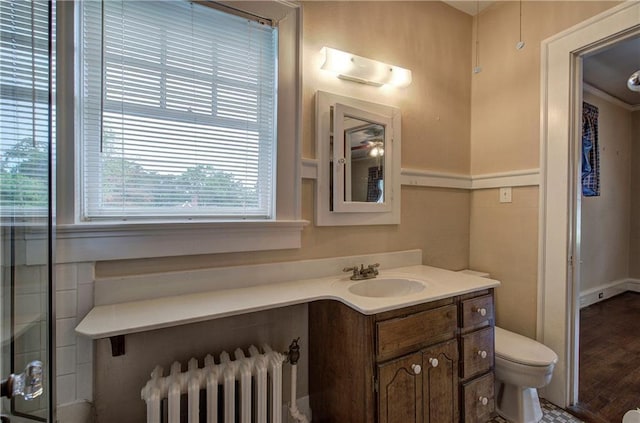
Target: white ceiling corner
(469, 7)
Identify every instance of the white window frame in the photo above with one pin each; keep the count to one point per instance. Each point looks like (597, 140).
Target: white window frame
(79, 241)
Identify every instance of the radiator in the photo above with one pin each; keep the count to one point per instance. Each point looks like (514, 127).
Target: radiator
(247, 389)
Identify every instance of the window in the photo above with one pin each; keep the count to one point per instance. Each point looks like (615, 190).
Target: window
(178, 112)
(24, 108)
(142, 229)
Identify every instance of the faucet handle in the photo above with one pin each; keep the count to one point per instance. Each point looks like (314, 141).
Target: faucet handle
(374, 268)
(353, 269)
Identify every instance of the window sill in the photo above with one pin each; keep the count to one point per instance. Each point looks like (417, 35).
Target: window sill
(97, 242)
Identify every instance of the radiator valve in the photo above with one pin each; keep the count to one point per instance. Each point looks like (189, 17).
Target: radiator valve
(294, 352)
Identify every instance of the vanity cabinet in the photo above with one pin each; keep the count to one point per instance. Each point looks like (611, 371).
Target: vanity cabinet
(419, 387)
(415, 364)
(477, 357)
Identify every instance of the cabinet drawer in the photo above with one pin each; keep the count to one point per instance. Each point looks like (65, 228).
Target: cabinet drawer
(477, 352)
(410, 333)
(478, 399)
(477, 311)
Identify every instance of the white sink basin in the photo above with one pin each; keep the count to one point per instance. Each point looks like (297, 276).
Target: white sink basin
(387, 287)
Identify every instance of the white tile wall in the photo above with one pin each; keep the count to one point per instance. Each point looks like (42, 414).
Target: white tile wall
(65, 332)
(30, 325)
(65, 360)
(84, 381)
(66, 277)
(66, 303)
(74, 354)
(84, 352)
(66, 389)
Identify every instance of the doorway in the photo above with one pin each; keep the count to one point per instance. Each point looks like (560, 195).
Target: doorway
(559, 263)
(606, 213)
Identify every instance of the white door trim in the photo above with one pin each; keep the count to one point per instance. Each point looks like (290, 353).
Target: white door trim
(558, 299)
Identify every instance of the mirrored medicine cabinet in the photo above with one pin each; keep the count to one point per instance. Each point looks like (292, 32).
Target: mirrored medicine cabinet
(358, 149)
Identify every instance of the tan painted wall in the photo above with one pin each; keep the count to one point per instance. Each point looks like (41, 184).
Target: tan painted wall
(634, 235)
(504, 243)
(434, 41)
(606, 219)
(505, 136)
(505, 100)
(431, 39)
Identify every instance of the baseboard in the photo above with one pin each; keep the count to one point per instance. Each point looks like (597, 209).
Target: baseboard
(633, 285)
(603, 292)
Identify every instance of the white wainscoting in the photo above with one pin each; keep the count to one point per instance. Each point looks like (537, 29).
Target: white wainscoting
(605, 291)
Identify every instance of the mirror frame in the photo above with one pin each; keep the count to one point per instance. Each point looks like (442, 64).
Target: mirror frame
(349, 213)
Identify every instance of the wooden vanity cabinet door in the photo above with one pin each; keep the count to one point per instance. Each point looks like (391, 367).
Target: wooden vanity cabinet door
(400, 390)
(440, 383)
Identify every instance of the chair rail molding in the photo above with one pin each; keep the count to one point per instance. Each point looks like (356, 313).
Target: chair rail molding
(436, 179)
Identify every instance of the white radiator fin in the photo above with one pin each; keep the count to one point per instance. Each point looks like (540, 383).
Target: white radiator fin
(258, 377)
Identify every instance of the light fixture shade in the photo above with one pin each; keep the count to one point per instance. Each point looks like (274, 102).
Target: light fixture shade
(633, 83)
(366, 71)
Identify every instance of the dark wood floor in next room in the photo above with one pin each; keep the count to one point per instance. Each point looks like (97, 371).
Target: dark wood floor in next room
(609, 359)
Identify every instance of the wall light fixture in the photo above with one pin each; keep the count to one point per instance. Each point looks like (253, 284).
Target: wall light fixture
(366, 71)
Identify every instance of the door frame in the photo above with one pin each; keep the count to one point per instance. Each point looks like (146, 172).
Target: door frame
(559, 213)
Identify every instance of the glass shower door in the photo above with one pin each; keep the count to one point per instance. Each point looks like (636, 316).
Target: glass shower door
(26, 325)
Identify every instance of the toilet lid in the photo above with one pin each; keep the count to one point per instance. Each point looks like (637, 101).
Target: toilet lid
(520, 349)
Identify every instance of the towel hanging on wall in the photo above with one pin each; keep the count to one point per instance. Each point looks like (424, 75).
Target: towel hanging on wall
(590, 151)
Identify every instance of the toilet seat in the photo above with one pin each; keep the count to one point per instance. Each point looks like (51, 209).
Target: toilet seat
(522, 350)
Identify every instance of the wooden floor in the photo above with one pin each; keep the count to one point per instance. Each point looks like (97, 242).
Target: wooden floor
(609, 359)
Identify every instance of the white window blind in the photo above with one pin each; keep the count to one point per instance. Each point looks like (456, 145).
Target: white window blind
(24, 108)
(178, 112)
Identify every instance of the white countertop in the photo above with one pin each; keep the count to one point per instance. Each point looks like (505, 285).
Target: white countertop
(137, 316)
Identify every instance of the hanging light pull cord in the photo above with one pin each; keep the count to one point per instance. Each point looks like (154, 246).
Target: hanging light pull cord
(520, 43)
(477, 68)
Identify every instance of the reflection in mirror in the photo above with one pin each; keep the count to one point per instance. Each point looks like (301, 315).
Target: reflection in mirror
(361, 154)
(358, 161)
(365, 143)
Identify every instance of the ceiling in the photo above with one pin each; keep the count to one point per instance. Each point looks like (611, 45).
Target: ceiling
(609, 69)
(469, 7)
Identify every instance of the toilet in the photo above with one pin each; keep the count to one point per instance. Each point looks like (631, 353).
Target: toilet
(522, 365)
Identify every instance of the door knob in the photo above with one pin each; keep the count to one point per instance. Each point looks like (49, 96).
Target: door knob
(482, 354)
(433, 362)
(27, 384)
(483, 400)
(416, 368)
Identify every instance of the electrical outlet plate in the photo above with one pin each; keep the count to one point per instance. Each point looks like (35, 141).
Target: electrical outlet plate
(505, 195)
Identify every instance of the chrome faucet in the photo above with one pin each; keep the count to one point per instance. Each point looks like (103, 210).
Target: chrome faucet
(369, 272)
